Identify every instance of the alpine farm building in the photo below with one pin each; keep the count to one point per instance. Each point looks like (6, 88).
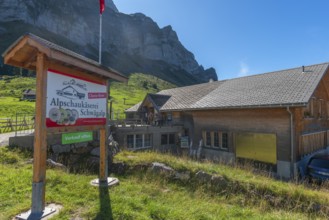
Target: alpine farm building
(277, 119)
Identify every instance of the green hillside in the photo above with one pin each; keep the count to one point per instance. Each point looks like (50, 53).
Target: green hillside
(11, 91)
(138, 86)
(12, 86)
(144, 194)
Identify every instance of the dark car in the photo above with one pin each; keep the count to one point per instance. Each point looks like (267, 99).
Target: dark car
(318, 167)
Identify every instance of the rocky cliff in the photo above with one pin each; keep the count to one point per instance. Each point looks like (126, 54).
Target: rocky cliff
(131, 43)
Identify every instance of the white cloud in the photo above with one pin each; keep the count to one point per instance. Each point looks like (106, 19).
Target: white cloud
(244, 70)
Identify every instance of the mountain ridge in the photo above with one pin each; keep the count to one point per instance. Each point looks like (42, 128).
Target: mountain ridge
(131, 43)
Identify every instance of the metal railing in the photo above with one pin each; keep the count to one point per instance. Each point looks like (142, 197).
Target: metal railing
(141, 122)
(6, 125)
(20, 123)
(24, 123)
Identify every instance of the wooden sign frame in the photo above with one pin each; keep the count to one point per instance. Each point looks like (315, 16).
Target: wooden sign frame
(35, 53)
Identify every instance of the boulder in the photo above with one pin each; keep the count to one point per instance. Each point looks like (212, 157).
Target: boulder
(161, 168)
(218, 182)
(119, 168)
(141, 167)
(182, 176)
(203, 177)
(59, 149)
(95, 152)
(52, 163)
(81, 145)
(81, 148)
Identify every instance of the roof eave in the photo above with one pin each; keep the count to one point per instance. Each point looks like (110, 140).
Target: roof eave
(59, 54)
(239, 107)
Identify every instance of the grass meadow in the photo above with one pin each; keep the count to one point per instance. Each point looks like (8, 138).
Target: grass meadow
(143, 195)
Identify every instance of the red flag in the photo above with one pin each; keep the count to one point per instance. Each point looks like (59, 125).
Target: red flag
(101, 6)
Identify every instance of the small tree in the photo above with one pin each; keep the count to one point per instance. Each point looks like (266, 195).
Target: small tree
(155, 86)
(145, 84)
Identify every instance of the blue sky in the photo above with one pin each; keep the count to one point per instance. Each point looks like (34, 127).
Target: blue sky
(244, 37)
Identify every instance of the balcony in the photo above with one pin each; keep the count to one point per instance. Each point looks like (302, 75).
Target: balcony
(142, 123)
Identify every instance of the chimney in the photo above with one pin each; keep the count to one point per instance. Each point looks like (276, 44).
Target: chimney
(303, 69)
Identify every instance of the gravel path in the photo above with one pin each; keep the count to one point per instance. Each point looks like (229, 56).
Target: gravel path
(4, 138)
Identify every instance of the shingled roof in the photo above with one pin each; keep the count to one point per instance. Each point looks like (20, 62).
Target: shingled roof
(23, 52)
(159, 100)
(291, 87)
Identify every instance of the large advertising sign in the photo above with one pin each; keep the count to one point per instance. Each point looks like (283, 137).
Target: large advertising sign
(74, 101)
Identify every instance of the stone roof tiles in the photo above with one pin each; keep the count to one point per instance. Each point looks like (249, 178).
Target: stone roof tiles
(291, 87)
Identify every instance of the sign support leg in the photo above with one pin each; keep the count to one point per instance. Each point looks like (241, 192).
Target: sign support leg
(104, 180)
(103, 169)
(40, 140)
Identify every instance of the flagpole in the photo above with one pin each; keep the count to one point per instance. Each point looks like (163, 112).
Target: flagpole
(100, 39)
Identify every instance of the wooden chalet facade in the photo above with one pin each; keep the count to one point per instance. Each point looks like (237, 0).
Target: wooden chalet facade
(278, 118)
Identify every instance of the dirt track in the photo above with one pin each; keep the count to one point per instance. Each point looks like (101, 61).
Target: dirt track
(4, 138)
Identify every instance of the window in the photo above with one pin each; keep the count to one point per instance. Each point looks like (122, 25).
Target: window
(208, 138)
(164, 139)
(224, 141)
(309, 110)
(169, 116)
(168, 139)
(186, 132)
(130, 141)
(171, 138)
(216, 139)
(147, 140)
(136, 141)
(312, 107)
(139, 141)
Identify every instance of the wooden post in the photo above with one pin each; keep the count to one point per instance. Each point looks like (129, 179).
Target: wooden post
(103, 169)
(103, 156)
(40, 138)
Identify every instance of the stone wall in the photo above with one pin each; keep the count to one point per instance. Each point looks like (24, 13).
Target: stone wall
(77, 155)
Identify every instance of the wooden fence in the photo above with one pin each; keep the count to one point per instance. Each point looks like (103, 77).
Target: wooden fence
(313, 142)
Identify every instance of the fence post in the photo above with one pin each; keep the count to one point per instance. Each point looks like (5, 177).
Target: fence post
(16, 126)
